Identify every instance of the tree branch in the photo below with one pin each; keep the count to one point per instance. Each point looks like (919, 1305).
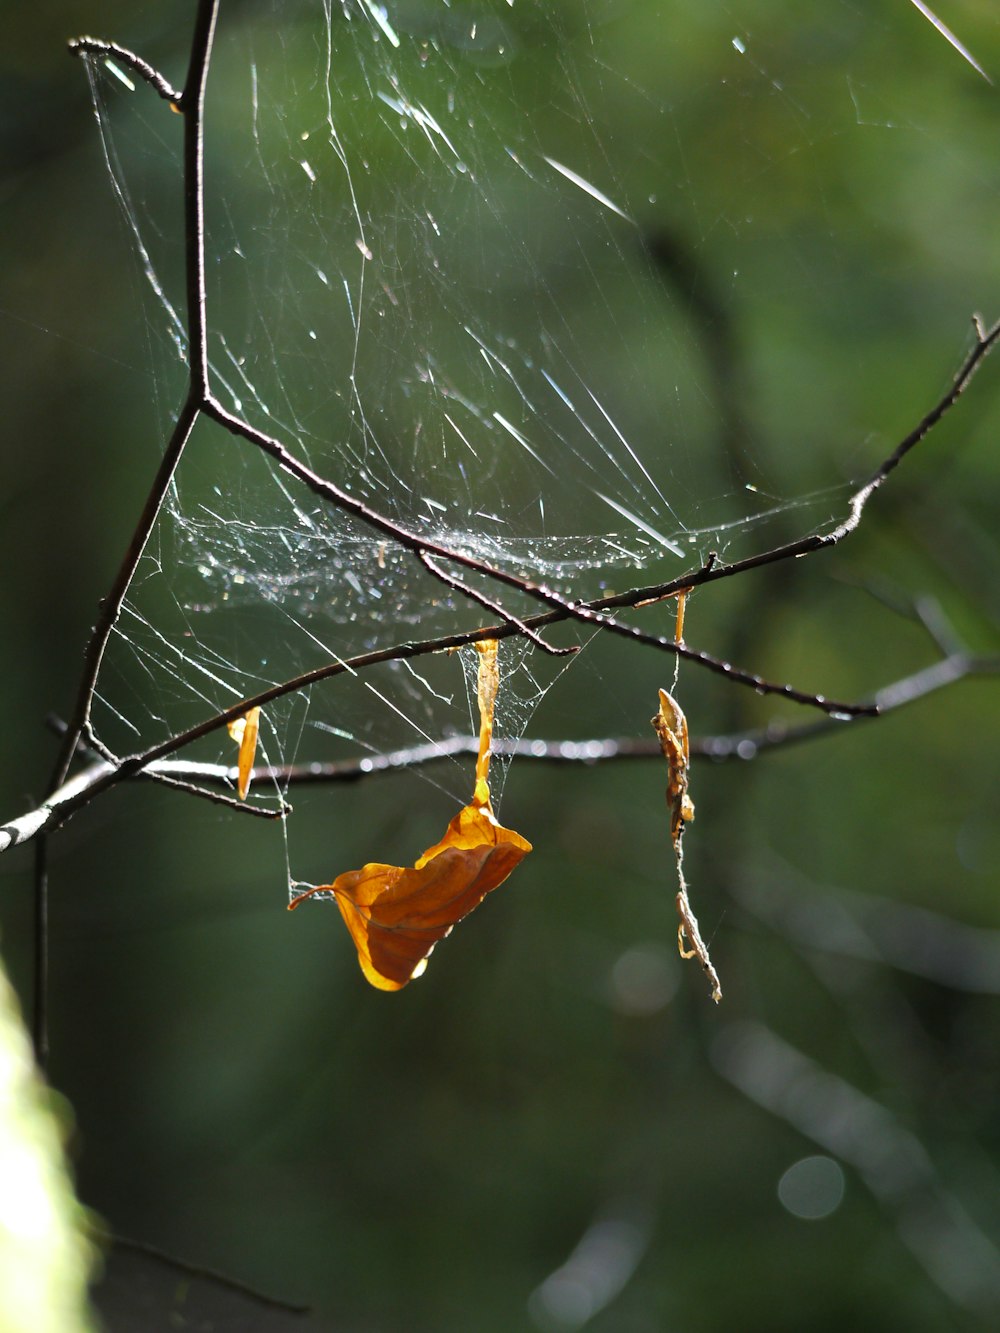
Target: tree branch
(457, 585)
(192, 106)
(200, 399)
(111, 606)
(742, 745)
(191, 103)
(985, 341)
(67, 796)
(593, 613)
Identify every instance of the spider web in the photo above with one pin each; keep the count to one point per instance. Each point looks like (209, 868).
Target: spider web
(477, 265)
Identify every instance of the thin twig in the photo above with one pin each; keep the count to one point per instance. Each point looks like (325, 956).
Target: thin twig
(985, 340)
(690, 931)
(200, 399)
(185, 782)
(743, 745)
(207, 1274)
(590, 613)
(95, 46)
(111, 606)
(456, 584)
(594, 612)
(580, 753)
(218, 798)
(899, 693)
(133, 763)
(738, 745)
(192, 105)
(79, 790)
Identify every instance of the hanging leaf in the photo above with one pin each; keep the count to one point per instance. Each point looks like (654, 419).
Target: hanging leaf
(671, 727)
(397, 914)
(244, 732)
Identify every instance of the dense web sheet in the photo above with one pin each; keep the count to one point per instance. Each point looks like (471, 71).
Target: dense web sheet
(495, 296)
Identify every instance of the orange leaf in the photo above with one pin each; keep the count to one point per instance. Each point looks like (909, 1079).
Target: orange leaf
(244, 731)
(397, 914)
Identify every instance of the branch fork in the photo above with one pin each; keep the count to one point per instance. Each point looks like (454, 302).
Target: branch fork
(67, 794)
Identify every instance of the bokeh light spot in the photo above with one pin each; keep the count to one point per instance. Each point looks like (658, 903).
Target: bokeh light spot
(812, 1188)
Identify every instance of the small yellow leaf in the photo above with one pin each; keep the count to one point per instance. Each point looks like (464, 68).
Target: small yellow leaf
(244, 731)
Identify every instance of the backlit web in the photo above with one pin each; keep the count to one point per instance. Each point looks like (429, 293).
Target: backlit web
(477, 264)
(536, 281)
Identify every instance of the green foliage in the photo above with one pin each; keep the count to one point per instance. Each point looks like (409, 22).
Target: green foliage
(45, 1258)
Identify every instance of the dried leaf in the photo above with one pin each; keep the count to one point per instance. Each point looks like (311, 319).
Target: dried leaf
(244, 732)
(397, 914)
(671, 727)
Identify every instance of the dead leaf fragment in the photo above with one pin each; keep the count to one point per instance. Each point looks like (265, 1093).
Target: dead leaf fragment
(397, 914)
(671, 727)
(244, 731)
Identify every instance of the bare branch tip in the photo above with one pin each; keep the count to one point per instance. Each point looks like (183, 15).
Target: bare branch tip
(985, 336)
(99, 46)
(87, 46)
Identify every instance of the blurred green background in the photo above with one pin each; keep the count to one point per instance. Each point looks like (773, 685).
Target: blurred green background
(555, 1128)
